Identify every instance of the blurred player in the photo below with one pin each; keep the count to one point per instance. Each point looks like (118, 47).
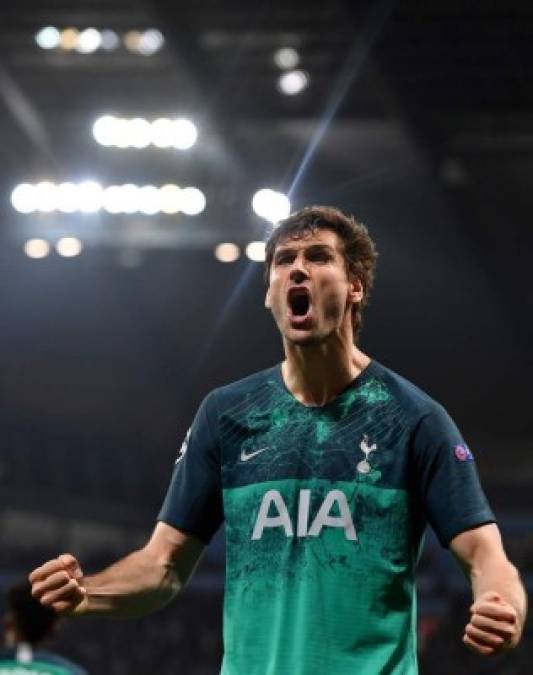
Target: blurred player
(326, 470)
(26, 625)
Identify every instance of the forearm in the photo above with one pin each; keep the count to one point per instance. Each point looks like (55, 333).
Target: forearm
(134, 586)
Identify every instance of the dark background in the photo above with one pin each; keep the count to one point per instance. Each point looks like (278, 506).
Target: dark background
(418, 118)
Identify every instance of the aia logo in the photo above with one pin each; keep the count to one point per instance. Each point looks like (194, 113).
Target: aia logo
(462, 453)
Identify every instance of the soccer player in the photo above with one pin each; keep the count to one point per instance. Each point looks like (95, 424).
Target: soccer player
(325, 470)
(26, 625)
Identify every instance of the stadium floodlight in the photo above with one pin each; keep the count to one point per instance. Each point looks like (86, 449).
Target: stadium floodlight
(192, 201)
(129, 198)
(185, 134)
(48, 37)
(104, 130)
(271, 205)
(169, 199)
(69, 247)
(227, 252)
(293, 82)
(24, 198)
(286, 58)
(112, 199)
(67, 197)
(69, 39)
(163, 133)
(36, 248)
(150, 42)
(255, 251)
(131, 40)
(139, 133)
(89, 40)
(90, 196)
(109, 40)
(121, 132)
(46, 196)
(149, 202)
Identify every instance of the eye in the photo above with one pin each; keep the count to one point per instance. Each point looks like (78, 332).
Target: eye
(319, 255)
(284, 258)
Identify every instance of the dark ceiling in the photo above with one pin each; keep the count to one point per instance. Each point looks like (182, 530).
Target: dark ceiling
(418, 118)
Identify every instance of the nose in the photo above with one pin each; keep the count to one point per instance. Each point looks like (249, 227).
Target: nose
(298, 271)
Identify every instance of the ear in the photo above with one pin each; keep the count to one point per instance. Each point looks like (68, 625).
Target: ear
(268, 304)
(355, 291)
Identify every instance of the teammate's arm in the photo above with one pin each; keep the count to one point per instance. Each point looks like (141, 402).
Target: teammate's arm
(140, 583)
(499, 609)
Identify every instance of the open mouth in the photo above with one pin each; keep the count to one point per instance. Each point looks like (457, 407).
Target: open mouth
(299, 301)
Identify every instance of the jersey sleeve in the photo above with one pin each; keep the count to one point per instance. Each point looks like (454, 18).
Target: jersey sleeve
(193, 502)
(448, 482)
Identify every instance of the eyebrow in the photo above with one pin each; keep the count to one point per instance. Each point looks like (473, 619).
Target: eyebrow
(312, 247)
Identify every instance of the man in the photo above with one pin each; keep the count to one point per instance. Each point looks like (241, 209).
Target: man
(325, 470)
(26, 625)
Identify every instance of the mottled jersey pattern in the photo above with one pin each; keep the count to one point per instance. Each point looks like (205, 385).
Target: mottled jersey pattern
(324, 511)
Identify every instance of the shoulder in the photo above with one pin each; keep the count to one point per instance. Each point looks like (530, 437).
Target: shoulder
(42, 656)
(69, 666)
(250, 386)
(415, 403)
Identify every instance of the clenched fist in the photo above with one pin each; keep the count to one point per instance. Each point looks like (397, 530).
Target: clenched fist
(58, 584)
(494, 625)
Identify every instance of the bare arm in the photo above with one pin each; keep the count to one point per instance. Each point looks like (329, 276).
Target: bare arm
(500, 604)
(140, 583)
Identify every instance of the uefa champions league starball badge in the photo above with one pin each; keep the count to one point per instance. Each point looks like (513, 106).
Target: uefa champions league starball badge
(364, 465)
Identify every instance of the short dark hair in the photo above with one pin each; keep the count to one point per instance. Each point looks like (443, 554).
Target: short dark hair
(359, 252)
(33, 621)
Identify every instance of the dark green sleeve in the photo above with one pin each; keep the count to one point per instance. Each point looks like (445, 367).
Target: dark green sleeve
(447, 478)
(193, 502)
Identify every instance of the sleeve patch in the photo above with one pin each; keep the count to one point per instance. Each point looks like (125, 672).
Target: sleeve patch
(462, 453)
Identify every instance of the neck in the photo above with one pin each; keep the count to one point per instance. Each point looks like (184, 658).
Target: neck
(317, 373)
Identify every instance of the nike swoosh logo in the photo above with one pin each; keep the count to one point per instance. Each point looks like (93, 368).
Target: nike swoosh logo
(246, 457)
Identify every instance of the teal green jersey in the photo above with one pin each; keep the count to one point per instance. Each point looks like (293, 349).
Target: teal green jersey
(324, 510)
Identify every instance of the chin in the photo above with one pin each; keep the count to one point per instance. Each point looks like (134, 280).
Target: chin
(303, 338)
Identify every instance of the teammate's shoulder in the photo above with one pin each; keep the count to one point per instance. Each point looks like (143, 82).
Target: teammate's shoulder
(251, 384)
(44, 657)
(410, 397)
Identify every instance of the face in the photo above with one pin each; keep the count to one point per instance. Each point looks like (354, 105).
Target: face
(310, 294)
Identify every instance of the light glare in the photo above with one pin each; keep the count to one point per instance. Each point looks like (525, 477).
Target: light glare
(170, 198)
(88, 41)
(110, 40)
(46, 196)
(47, 38)
(227, 252)
(24, 198)
(90, 196)
(286, 58)
(69, 247)
(69, 38)
(150, 42)
(271, 205)
(256, 251)
(104, 130)
(139, 133)
(67, 197)
(185, 134)
(162, 132)
(149, 200)
(36, 248)
(192, 201)
(293, 82)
